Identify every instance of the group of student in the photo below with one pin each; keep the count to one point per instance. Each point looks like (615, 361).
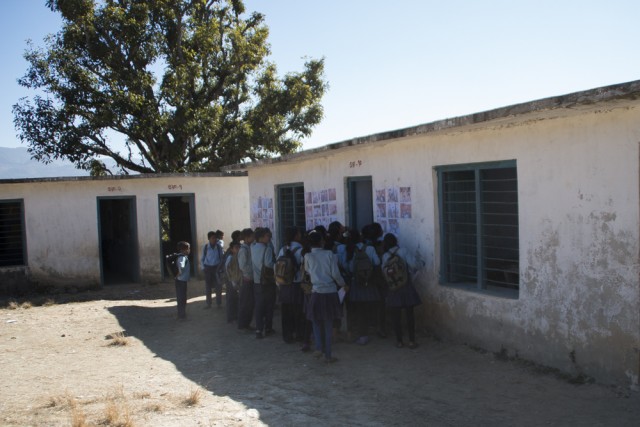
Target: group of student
(329, 269)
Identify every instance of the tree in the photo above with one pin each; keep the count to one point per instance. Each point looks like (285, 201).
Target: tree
(186, 82)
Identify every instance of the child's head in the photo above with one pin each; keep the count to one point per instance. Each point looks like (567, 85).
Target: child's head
(248, 236)
(212, 237)
(184, 247)
(234, 247)
(219, 234)
(389, 241)
(315, 239)
(236, 236)
(262, 235)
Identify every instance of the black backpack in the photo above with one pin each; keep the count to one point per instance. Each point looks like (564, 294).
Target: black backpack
(171, 262)
(362, 266)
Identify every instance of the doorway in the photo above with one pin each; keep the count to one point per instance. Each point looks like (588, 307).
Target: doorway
(118, 235)
(177, 223)
(360, 201)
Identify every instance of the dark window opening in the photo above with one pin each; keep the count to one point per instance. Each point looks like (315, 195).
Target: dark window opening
(12, 247)
(479, 224)
(290, 208)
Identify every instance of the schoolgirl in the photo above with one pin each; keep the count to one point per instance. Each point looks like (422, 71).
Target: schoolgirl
(245, 295)
(324, 304)
(404, 297)
(363, 294)
(291, 296)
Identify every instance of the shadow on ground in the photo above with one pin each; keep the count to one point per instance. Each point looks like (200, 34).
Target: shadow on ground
(438, 384)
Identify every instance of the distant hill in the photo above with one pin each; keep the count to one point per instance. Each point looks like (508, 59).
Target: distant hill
(16, 163)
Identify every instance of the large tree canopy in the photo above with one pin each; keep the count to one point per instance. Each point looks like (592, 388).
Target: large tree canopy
(185, 84)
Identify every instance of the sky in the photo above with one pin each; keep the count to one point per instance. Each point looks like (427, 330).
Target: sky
(392, 65)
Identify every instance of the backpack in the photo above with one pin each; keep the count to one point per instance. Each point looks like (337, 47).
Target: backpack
(286, 266)
(395, 271)
(362, 266)
(234, 273)
(171, 262)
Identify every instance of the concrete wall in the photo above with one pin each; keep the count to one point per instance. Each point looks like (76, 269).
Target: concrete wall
(578, 307)
(61, 220)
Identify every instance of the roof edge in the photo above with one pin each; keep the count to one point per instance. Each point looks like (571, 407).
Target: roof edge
(224, 174)
(629, 90)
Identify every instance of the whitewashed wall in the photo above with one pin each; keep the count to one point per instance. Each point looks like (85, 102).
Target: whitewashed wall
(61, 220)
(579, 301)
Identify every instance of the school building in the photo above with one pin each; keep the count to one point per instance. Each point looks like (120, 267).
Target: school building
(86, 232)
(526, 220)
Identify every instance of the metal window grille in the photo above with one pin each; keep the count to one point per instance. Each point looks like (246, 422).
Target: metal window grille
(11, 234)
(480, 226)
(290, 207)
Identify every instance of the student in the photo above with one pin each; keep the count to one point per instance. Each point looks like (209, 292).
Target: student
(373, 237)
(404, 297)
(324, 304)
(246, 300)
(363, 294)
(184, 274)
(264, 286)
(234, 280)
(291, 296)
(220, 237)
(209, 262)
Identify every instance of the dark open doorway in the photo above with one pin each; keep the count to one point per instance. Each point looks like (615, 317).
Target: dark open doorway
(360, 194)
(119, 262)
(177, 223)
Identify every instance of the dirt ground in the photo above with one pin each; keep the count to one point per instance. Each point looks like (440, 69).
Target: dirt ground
(59, 367)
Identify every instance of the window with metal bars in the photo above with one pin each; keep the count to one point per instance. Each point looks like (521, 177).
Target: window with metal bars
(479, 225)
(290, 208)
(11, 233)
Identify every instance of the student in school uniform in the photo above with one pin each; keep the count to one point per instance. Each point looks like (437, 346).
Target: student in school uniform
(291, 295)
(234, 280)
(182, 278)
(246, 300)
(363, 294)
(264, 286)
(402, 298)
(210, 260)
(324, 304)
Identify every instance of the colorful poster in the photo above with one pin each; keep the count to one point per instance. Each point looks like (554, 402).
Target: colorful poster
(320, 207)
(392, 205)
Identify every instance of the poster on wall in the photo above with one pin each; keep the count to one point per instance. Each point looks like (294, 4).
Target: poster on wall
(392, 205)
(262, 213)
(321, 208)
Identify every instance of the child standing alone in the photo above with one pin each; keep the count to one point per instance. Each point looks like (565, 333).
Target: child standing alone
(181, 280)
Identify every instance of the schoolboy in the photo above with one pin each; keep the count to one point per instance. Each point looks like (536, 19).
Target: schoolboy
(181, 280)
(209, 262)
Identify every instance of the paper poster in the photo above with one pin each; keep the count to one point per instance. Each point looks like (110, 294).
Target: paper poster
(262, 213)
(392, 205)
(320, 207)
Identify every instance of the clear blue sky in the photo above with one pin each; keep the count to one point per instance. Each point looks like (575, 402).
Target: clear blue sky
(397, 64)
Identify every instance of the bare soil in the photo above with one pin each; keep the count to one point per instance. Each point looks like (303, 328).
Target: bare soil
(60, 366)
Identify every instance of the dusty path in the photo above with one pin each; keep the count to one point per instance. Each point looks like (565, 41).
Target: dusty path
(57, 367)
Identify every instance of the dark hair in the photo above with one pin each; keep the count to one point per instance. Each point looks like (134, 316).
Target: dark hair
(321, 229)
(247, 232)
(290, 234)
(376, 229)
(315, 239)
(182, 245)
(219, 234)
(261, 232)
(211, 233)
(334, 229)
(234, 243)
(354, 238)
(236, 236)
(389, 241)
